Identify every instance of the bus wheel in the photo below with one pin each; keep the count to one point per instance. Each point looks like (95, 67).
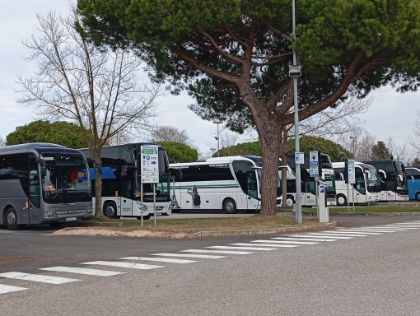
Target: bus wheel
(10, 218)
(145, 217)
(110, 209)
(229, 206)
(341, 200)
(290, 201)
(417, 197)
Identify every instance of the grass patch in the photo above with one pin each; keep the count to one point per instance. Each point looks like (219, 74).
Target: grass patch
(208, 224)
(376, 209)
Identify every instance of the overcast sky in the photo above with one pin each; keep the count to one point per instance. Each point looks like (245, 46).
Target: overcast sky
(391, 113)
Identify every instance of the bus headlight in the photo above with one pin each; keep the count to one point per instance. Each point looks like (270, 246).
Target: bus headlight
(50, 214)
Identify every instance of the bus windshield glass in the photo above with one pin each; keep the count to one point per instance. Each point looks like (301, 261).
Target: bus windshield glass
(329, 180)
(373, 179)
(64, 178)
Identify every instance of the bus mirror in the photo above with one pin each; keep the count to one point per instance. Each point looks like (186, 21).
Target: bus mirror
(382, 173)
(43, 171)
(41, 162)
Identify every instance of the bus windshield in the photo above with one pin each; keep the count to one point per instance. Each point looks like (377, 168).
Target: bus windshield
(373, 179)
(64, 177)
(329, 180)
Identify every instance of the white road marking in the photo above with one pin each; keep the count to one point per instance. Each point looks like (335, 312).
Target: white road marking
(269, 241)
(264, 245)
(240, 248)
(307, 238)
(223, 252)
(85, 271)
(36, 277)
(187, 255)
(168, 260)
(122, 264)
(399, 227)
(352, 232)
(330, 236)
(349, 234)
(373, 230)
(8, 288)
(391, 227)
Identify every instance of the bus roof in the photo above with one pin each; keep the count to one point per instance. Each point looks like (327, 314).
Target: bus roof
(31, 147)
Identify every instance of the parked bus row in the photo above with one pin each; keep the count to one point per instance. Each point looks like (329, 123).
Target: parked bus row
(43, 183)
(48, 183)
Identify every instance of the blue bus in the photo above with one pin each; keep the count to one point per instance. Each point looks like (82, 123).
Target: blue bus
(413, 182)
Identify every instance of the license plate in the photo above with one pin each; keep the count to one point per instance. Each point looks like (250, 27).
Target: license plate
(71, 219)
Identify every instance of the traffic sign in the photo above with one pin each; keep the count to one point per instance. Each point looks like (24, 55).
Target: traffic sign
(299, 158)
(149, 164)
(313, 164)
(351, 172)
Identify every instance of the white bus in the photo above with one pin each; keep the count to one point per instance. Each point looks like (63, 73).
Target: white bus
(121, 178)
(43, 183)
(367, 188)
(393, 179)
(308, 187)
(223, 183)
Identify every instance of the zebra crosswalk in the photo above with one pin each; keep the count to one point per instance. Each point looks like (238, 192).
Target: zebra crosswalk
(112, 268)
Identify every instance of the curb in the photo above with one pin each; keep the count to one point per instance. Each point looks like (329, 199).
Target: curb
(376, 213)
(167, 235)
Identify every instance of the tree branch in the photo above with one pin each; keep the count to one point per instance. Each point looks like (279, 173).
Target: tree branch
(227, 56)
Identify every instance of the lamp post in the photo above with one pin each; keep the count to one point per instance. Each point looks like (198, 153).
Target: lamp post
(217, 122)
(295, 73)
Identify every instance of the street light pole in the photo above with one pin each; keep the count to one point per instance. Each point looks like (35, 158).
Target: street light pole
(217, 122)
(295, 72)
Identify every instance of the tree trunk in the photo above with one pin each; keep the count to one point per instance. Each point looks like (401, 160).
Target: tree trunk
(269, 178)
(98, 182)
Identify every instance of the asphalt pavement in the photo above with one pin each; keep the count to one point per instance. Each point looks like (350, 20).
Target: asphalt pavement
(372, 271)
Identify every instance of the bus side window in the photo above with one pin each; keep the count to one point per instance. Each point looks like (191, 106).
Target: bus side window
(252, 184)
(34, 187)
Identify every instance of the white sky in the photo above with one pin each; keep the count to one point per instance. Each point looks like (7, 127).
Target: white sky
(391, 113)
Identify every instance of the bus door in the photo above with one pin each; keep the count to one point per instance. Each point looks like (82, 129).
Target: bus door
(252, 190)
(126, 196)
(309, 192)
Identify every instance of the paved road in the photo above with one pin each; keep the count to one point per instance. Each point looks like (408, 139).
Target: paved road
(374, 273)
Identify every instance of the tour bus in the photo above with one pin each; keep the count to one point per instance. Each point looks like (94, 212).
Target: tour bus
(43, 183)
(413, 182)
(308, 188)
(393, 179)
(121, 182)
(222, 183)
(367, 188)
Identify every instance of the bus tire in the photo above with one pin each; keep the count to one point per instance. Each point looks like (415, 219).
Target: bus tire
(229, 206)
(145, 217)
(290, 201)
(417, 197)
(10, 218)
(341, 200)
(110, 209)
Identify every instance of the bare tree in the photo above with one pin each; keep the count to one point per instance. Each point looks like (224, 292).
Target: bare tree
(415, 140)
(170, 134)
(336, 121)
(94, 87)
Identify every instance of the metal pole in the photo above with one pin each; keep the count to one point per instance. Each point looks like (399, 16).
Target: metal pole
(218, 141)
(154, 202)
(296, 117)
(141, 200)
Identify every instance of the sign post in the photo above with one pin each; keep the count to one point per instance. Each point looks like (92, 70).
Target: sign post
(314, 172)
(351, 179)
(149, 173)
